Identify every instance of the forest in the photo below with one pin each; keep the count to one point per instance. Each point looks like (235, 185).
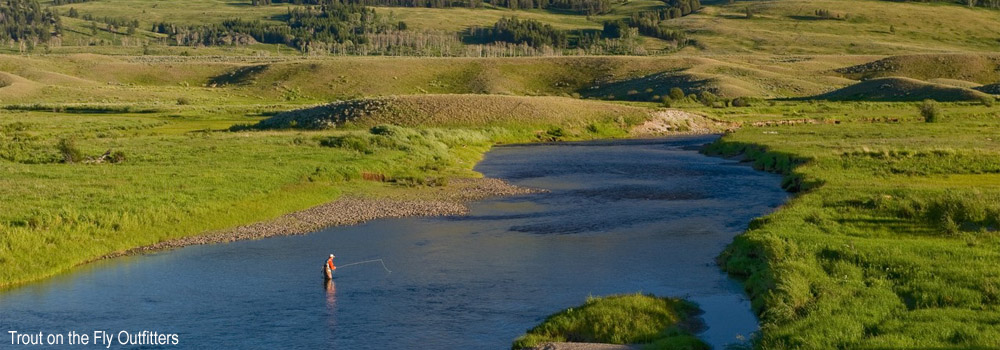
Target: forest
(354, 27)
(26, 20)
(330, 23)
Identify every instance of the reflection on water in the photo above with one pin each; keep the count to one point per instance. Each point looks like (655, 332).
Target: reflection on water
(331, 303)
(331, 295)
(621, 217)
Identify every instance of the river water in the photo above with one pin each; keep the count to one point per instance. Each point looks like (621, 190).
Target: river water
(621, 217)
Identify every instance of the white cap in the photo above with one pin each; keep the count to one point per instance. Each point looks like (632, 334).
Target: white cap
(331, 255)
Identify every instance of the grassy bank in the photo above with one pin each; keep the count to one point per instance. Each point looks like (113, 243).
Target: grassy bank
(892, 241)
(656, 323)
(173, 176)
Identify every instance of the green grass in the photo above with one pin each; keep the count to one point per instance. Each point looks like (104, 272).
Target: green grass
(786, 27)
(789, 27)
(657, 323)
(902, 89)
(468, 111)
(892, 241)
(218, 81)
(184, 174)
(185, 12)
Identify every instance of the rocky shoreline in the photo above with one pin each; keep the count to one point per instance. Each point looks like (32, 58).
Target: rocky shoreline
(449, 200)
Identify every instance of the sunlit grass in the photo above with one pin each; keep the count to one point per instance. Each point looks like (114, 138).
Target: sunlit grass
(658, 323)
(183, 174)
(894, 242)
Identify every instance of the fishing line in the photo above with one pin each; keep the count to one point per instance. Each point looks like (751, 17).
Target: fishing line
(368, 261)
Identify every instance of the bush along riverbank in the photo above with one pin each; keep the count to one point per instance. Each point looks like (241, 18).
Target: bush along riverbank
(891, 241)
(650, 321)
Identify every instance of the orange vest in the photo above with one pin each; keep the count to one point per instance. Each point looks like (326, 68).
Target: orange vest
(329, 263)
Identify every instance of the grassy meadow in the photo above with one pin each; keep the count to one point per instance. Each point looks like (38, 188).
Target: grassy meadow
(786, 27)
(891, 242)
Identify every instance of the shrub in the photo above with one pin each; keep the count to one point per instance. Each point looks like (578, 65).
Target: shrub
(117, 157)
(741, 102)
(931, 111)
(707, 98)
(385, 130)
(183, 101)
(242, 127)
(666, 101)
(353, 142)
(987, 101)
(555, 132)
(410, 180)
(69, 151)
(676, 94)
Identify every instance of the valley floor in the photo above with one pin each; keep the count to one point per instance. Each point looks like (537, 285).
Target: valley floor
(891, 241)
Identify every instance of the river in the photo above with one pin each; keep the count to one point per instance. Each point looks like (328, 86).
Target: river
(620, 217)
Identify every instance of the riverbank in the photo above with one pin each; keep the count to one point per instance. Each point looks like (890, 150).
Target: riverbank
(352, 210)
(475, 281)
(891, 241)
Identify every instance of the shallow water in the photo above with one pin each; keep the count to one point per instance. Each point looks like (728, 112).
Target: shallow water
(621, 217)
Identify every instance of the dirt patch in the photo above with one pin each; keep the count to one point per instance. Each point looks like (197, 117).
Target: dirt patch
(675, 121)
(351, 211)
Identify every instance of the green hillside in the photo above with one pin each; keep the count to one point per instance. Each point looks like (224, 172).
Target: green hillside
(214, 114)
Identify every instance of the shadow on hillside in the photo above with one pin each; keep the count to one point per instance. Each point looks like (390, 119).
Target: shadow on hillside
(238, 76)
(814, 18)
(645, 88)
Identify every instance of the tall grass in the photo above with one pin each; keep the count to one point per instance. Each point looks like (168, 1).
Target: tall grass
(894, 247)
(55, 214)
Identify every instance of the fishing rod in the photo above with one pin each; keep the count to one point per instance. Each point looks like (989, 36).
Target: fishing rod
(368, 261)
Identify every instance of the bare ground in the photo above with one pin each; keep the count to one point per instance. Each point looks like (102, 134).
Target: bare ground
(675, 121)
(351, 211)
(584, 346)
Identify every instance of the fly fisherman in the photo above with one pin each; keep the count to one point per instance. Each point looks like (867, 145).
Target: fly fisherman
(329, 267)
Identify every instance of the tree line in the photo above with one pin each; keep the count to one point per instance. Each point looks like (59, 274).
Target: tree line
(650, 23)
(119, 25)
(674, 8)
(589, 7)
(515, 36)
(330, 23)
(538, 35)
(388, 3)
(25, 20)
(516, 31)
